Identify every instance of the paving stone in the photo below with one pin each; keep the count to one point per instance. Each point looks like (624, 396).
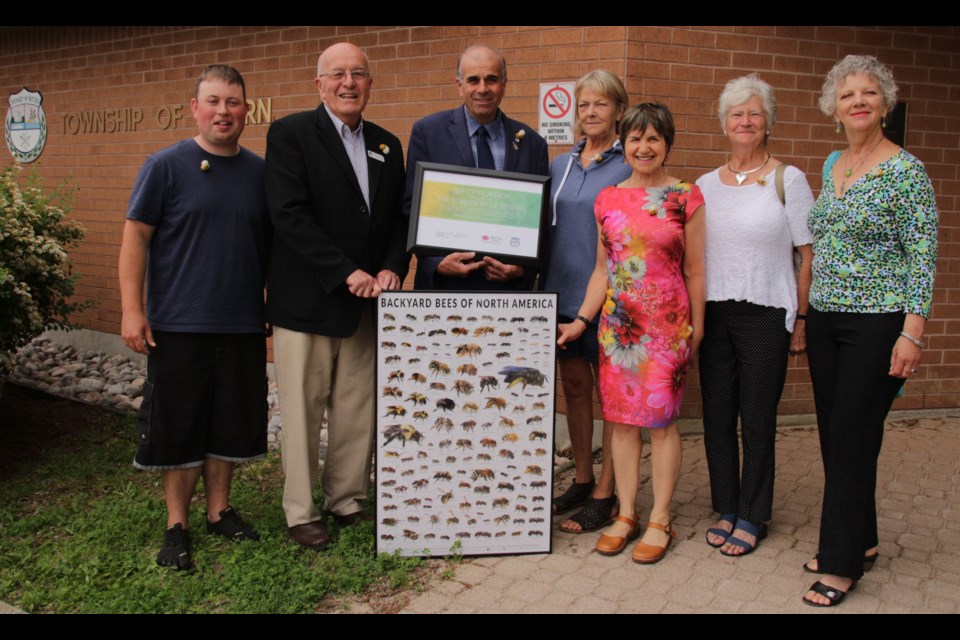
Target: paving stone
(528, 590)
(429, 602)
(461, 608)
(471, 573)
(590, 604)
(694, 598)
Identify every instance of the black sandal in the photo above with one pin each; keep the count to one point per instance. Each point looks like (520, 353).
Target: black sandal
(575, 496)
(594, 515)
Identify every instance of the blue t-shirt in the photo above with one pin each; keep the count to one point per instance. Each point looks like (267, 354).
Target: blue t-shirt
(206, 267)
(572, 225)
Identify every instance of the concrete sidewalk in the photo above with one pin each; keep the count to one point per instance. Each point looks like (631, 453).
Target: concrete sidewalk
(918, 499)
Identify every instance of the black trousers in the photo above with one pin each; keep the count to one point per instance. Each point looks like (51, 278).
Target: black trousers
(849, 355)
(743, 365)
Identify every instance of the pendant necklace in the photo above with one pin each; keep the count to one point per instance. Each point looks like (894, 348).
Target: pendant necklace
(741, 176)
(849, 170)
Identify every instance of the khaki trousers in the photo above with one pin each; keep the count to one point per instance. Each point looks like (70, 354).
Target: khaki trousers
(317, 373)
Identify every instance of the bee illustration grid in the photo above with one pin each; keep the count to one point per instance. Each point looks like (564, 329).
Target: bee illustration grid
(465, 422)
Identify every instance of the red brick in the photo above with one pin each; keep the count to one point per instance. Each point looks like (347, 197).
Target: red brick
(737, 42)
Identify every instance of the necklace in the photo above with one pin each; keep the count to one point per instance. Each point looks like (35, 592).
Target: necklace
(741, 176)
(849, 170)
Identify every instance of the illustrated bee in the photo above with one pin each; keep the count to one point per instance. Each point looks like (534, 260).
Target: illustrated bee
(471, 318)
(447, 497)
(482, 331)
(538, 319)
(420, 484)
(454, 319)
(463, 386)
(506, 423)
(494, 402)
(499, 534)
(401, 432)
(538, 498)
(419, 378)
(486, 474)
(413, 535)
(417, 398)
(485, 456)
(451, 459)
(386, 536)
(388, 345)
(505, 486)
(420, 415)
(504, 519)
(438, 386)
(520, 508)
(534, 419)
(406, 329)
(468, 425)
(463, 444)
(488, 442)
(469, 350)
(535, 532)
(464, 484)
(534, 470)
(412, 502)
(388, 329)
(486, 425)
(506, 453)
(465, 505)
(413, 361)
(516, 320)
(540, 452)
(538, 484)
(392, 359)
(482, 534)
(488, 382)
(439, 368)
(538, 435)
(437, 332)
(538, 406)
(459, 331)
(434, 519)
(523, 376)
(481, 488)
(395, 375)
(395, 410)
(505, 334)
(453, 520)
(446, 404)
(431, 317)
(444, 444)
(388, 496)
(413, 519)
(388, 317)
(519, 408)
(394, 392)
(463, 534)
(391, 454)
(525, 453)
(467, 369)
(443, 423)
(503, 354)
(387, 470)
(389, 507)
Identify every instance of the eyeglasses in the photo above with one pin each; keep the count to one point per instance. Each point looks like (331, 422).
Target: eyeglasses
(337, 75)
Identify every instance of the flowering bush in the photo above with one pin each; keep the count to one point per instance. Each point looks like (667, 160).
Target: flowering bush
(36, 280)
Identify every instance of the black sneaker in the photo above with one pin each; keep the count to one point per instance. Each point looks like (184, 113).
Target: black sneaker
(176, 549)
(231, 525)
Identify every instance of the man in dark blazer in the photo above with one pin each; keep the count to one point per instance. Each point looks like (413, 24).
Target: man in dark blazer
(476, 134)
(334, 187)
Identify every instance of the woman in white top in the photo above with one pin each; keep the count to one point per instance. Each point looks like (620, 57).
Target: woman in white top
(756, 310)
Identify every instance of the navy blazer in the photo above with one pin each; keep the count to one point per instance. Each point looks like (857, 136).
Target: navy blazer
(323, 231)
(443, 137)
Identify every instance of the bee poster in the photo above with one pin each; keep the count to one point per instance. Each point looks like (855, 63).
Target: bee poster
(465, 422)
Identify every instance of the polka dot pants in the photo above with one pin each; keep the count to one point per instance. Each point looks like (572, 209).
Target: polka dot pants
(743, 365)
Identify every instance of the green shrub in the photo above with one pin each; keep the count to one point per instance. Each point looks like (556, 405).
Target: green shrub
(36, 280)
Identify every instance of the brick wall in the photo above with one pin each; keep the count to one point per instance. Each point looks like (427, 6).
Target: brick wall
(152, 69)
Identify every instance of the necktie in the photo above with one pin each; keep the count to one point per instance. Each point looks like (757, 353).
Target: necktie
(484, 155)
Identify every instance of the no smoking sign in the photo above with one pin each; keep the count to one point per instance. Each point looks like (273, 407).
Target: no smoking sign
(556, 112)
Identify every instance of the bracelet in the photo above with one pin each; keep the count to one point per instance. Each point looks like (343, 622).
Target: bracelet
(583, 320)
(801, 316)
(916, 341)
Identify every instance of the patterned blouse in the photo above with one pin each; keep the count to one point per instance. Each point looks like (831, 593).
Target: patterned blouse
(875, 248)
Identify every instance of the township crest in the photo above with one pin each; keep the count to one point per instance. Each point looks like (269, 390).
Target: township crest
(26, 125)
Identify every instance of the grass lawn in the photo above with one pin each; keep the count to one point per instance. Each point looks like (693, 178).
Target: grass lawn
(80, 529)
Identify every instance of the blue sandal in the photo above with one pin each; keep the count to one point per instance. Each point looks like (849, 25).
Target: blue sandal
(759, 531)
(723, 533)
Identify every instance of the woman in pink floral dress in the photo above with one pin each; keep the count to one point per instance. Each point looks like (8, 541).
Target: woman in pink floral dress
(649, 283)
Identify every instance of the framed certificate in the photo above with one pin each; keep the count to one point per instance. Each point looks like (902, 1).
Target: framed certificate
(494, 213)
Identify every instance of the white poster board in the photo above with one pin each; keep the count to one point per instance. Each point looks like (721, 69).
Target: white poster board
(465, 422)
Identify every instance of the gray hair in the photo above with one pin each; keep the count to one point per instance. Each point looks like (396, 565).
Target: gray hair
(604, 83)
(741, 89)
(857, 64)
(494, 51)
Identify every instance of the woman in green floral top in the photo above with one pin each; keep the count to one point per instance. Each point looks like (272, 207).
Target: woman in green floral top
(875, 251)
